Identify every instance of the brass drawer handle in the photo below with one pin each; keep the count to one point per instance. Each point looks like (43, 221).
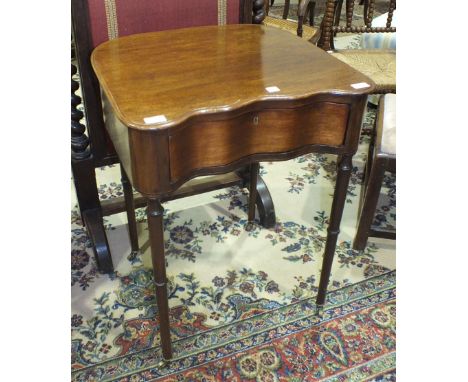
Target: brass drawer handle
(255, 120)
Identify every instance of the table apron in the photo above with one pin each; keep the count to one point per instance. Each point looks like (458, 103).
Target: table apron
(219, 143)
(159, 162)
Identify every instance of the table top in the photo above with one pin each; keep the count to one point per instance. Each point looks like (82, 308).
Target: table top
(160, 79)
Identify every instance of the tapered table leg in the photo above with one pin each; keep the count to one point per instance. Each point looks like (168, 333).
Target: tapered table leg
(156, 234)
(130, 209)
(339, 198)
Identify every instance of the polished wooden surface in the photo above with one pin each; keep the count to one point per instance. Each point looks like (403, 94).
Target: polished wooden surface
(210, 85)
(182, 73)
(269, 131)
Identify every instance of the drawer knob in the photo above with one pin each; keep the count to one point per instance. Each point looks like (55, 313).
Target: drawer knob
(255, 120)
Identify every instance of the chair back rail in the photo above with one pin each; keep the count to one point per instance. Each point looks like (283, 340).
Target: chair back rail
(328, 30)
(113, 18)
(96, 21)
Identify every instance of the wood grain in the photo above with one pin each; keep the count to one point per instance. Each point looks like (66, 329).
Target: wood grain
(211, 87)
(217, 143)
(188, 72)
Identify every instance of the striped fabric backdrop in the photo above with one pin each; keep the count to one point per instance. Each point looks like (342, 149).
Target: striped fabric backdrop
(113, 18)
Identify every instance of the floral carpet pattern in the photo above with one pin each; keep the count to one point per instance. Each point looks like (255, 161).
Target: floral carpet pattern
(241, 298)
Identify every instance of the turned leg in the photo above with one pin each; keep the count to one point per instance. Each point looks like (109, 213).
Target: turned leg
(254, 169)
(339, 199)
(371, 197)
(130, 209)
(156, 232)
(258, 11)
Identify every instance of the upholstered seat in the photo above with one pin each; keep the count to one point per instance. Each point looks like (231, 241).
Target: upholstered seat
(380, 40)
(388, 145)
(378, 65)
(309, 33)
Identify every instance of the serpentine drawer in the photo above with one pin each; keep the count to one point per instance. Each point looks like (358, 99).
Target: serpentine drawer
(219, 143)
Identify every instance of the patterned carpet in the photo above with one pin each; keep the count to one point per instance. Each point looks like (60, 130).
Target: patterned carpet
(241, 300)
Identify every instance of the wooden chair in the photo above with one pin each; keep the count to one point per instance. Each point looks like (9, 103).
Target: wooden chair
(95, 21)
(295, 27)
(378, 64)
(287, 4)
(381, 158)
(310, 9)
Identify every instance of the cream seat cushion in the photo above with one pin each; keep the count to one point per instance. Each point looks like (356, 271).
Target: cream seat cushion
(380, 40)
(388, 145)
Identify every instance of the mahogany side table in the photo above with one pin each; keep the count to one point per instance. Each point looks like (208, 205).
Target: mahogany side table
(180, 104)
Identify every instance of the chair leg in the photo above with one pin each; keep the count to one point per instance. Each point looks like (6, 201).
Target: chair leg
(97, 234)
(266, 208)
(156, 232)
(264, 202)
(130, 209)
(311, 13)
(339, 199)
(338, 7)
(368, 166)
(84, 177)
(254, 170)
(371, 197)
(366, 9)
(286, 9)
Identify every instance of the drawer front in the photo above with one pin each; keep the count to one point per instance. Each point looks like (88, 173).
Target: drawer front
(219, 143)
